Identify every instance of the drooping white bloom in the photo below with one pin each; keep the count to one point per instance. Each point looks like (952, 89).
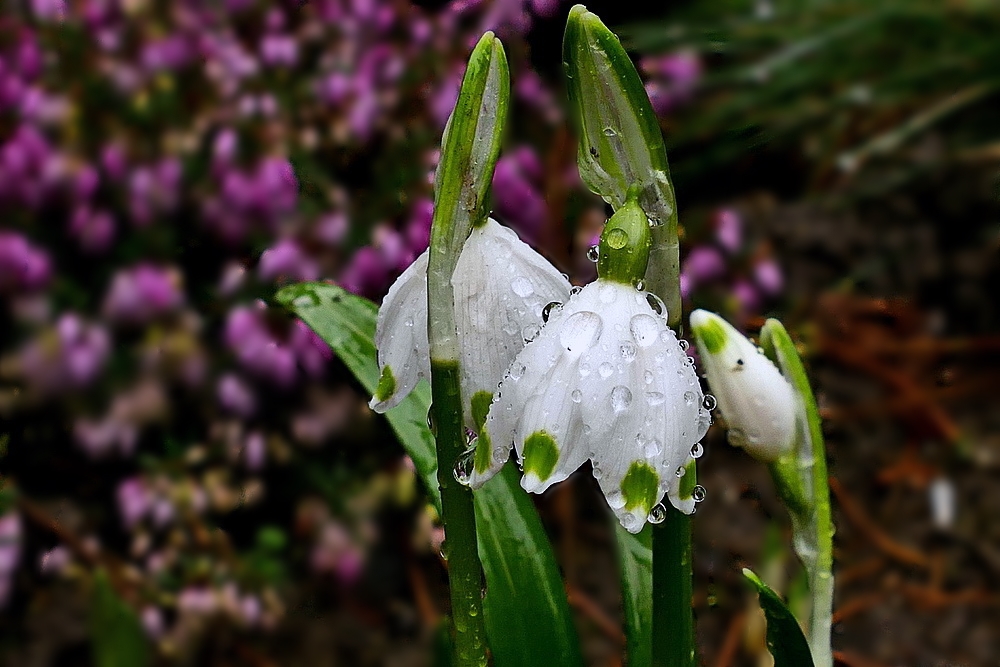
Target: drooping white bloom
(756, 400)
(606, 380)
(501, 288)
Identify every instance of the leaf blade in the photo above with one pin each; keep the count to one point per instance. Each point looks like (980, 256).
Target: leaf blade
(785, 640)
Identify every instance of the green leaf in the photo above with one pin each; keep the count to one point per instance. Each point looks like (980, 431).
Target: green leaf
(118, 639)
(785, 640)
(527, 616)
(347, 323)
(526, 612)
(635, 555)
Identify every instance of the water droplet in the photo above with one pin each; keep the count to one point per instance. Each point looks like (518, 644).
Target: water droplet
(499, 454)
(529, 332)
(610, 132)
(550, 309)
(585, 370)
(647, 377)
(431, 426)
(690, 397)
(522, 286)
(577, 396)
(704, 421)
(473, 609)
(698, 493)
(593, 253)
(580, 331)
(640, 285)
(656, 303)
(655, 398)
(628, 521)
(653, 448)
(575, 290)
(657, 515)
(408, 322)
(621, 398)
(605, 370)
(615, 499)
(628, 350)
(516, 371)
(684, 344)
(586, 429)
(689, 361)
(645, 329)
(598, 473)
(681, 471)
(617, 238)
(709, 402)
(697, 450)
(462, 470)
(443, 553)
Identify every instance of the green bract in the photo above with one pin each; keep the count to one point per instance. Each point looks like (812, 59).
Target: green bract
(624, 249)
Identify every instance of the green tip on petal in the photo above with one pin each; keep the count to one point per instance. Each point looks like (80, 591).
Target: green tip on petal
(711, 333)
(624, 250)
(386, 385)
(540, 455)
(686, 486)
(484, 448)
(640, 486)
(481, 401)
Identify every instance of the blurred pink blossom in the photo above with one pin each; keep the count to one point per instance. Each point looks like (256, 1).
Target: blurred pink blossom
(143, 292)
(729, 230)
(286, 261)
(236, 395)
(767, 275)
(69, 357)
(10, 553)
(23, 266)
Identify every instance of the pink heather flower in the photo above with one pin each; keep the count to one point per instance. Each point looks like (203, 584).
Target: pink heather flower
(703, 264)
(10, 553)
(366, 273)
(336, 553)
(685, 284)
(235, 395)
(279, 50)
(674, 77)
(23, 266)
(261, 352)
(134, 501)
(254, 451)
(516, 191)
(767, 275)
(94, 229)
(418, 227)
(729, 230)
(98, 438)
(49, 10)
(746, 296)
(143, 292)
(169, 53)
(152, 621)
(311, 350)
(69, 357)
(197, 601)
(225, 147)
(233, 278)
(114, 162)
(55, 561)
(332, 228)
(286, 262)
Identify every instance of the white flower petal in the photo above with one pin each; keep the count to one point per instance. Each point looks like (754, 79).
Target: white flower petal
(606, 378)
(401, 336)
(756, 400)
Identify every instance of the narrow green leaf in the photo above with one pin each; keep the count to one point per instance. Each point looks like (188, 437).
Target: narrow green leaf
(785, 640)
(117, 636)
(635, 556)
(527, 616)
(347, 323)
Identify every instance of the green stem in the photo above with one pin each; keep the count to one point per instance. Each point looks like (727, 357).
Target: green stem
(459, 517)
(673, 620)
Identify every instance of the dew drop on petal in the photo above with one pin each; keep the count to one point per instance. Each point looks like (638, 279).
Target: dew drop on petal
(499, 454)
(644, 328)
(529, 332)
(585, 370)
(586, 429)
(615, 499)
(628, 521)
(610, 132)
(690, 397)
(516, 371)
(657, 515)
(522, 286)
(577, 396)
(580, 331)
(704, 421)
(621, 398)
(647, 377)
(684, 344)
(655, 398)
(605, 370)
(681, 471)
(697, 450)
(408, 322)
(656, 304)
(652, 448)
(431, 426)
(698, 493)
(593, 253)
(709, 402)
(640, 285)
(627, 350)
(550, 309)
(575, 290)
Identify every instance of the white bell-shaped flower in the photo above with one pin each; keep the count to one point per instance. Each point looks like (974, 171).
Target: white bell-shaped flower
(757, 402)
(501, 289)
(605, 380)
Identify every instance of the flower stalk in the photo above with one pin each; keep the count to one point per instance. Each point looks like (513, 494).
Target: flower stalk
(469, 151)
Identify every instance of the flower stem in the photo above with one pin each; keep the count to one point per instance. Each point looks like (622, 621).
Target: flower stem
(461, 551)
(673, 621)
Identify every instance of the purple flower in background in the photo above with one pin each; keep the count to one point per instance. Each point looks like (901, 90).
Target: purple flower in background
(134, 501)
(263, 353)
(23, 266)
(285, 261)
(767, 275)
(235, 395)
(49, 10)
(366, 273)
(337, 553)
(279, 50)
(168, 53)
(143, 292)
(729, 230)
(418, 227)
(94, 229)
(154, 189)
(673, 78)
(10, 553)
(703, 264)
(254, 451)
(311, 350)
(747, 298)
(332, 228)
(69, 357)
(516, 191)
